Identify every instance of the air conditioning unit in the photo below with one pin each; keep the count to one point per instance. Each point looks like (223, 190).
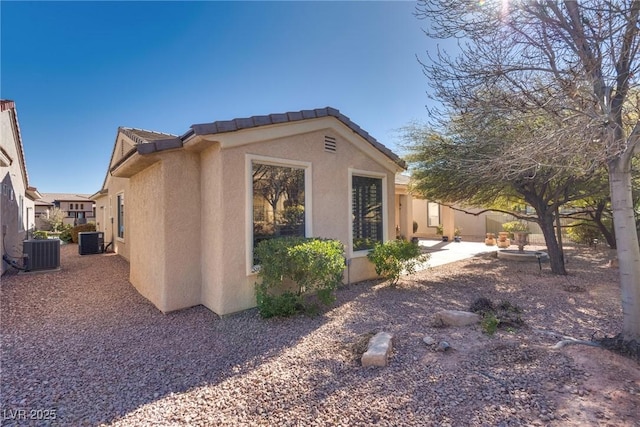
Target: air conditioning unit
(41, 254)
(90, 242)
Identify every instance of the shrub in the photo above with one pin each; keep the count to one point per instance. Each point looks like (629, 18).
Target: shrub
(65, 233)
(482, 305)
(415, 226)
(90, 226)
(40, 235)
(583, 232)
(503, 315)
(311, 265)
(285, 304)
(515, 226)
(490, 323)
(392, 257)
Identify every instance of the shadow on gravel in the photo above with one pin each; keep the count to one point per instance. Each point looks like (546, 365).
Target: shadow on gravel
(84, 343)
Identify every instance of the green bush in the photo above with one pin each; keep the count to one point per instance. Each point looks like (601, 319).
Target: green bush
(82, 228)
(40, 235)
(489, 323)
(503, 315)
(65, 233)
(309, 265)
(584, 232)
(392, 257)
(285, 304)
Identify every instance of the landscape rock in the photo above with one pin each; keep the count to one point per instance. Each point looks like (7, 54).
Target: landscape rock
(457, 318)
(429, 340)
(379, 350)
(443, 346)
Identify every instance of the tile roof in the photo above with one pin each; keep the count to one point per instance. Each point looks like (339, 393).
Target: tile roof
(292, 116)
(52, 197)
(148, 142)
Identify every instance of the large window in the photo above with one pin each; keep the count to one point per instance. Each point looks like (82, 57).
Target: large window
(278, 195)
(120, 207)
(367, 211)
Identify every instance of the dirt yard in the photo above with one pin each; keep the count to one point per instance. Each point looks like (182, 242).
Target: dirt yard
(82, 346)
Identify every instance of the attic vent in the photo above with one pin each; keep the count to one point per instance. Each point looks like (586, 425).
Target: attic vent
(329, 144)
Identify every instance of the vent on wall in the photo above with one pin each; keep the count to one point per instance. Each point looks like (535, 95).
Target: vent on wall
(329, 144)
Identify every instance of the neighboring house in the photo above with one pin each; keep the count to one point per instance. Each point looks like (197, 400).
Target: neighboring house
(428, 215)
(17, 214)
(77, 208)
(187, 211)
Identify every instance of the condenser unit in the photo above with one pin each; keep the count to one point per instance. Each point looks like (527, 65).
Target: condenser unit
(41, 254)
(90, 242)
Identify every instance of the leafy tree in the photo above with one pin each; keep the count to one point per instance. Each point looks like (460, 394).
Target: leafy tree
(55, 219)
(575, 62)
(471, 165)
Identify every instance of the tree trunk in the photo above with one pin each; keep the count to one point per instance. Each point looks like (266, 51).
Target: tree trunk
(627, 245)
(609, 234)
(556, 258)
(559, 234)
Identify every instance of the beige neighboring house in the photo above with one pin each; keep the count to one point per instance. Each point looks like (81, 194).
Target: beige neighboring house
(17, 214)
(428, 215)
(77, 208)
(186, 211)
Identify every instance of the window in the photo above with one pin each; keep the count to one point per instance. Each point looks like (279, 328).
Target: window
(279, 199)
(81, 206)
(120, 207)
(433, 214)
(278, 202)
(367, 211)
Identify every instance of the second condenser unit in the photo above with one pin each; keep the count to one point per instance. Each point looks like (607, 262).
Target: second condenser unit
(91, 242)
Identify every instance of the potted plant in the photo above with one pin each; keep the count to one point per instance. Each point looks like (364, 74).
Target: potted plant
(520, 232)
(440, 232)
(456, 235)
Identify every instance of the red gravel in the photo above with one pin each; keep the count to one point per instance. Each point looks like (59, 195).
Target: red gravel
(84, 345)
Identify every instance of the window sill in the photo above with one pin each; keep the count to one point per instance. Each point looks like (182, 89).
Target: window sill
(360, 254)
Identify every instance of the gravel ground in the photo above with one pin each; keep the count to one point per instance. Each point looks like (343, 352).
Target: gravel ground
(82, 345)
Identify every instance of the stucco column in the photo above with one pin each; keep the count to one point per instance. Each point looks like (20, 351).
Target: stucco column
(406, 216)
(448, 221)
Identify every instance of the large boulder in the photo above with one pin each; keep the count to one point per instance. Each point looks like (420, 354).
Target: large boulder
(457, 318)
(379, 350)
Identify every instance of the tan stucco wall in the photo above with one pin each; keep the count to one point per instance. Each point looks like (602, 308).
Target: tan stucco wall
(212, 216)
(164, 231)
(117, 186)
(472, 227)
(12, 188)
(330, 200)
(146, 233)
(182, 229)
(188, 216)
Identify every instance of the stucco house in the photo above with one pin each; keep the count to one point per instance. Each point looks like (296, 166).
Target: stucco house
(472, 223)
(187, 211)
(17, 214)
(78, 208)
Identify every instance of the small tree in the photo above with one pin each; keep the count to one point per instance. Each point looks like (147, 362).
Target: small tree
(55, 219)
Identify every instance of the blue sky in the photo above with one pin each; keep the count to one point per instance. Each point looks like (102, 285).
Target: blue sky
(78, 70)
